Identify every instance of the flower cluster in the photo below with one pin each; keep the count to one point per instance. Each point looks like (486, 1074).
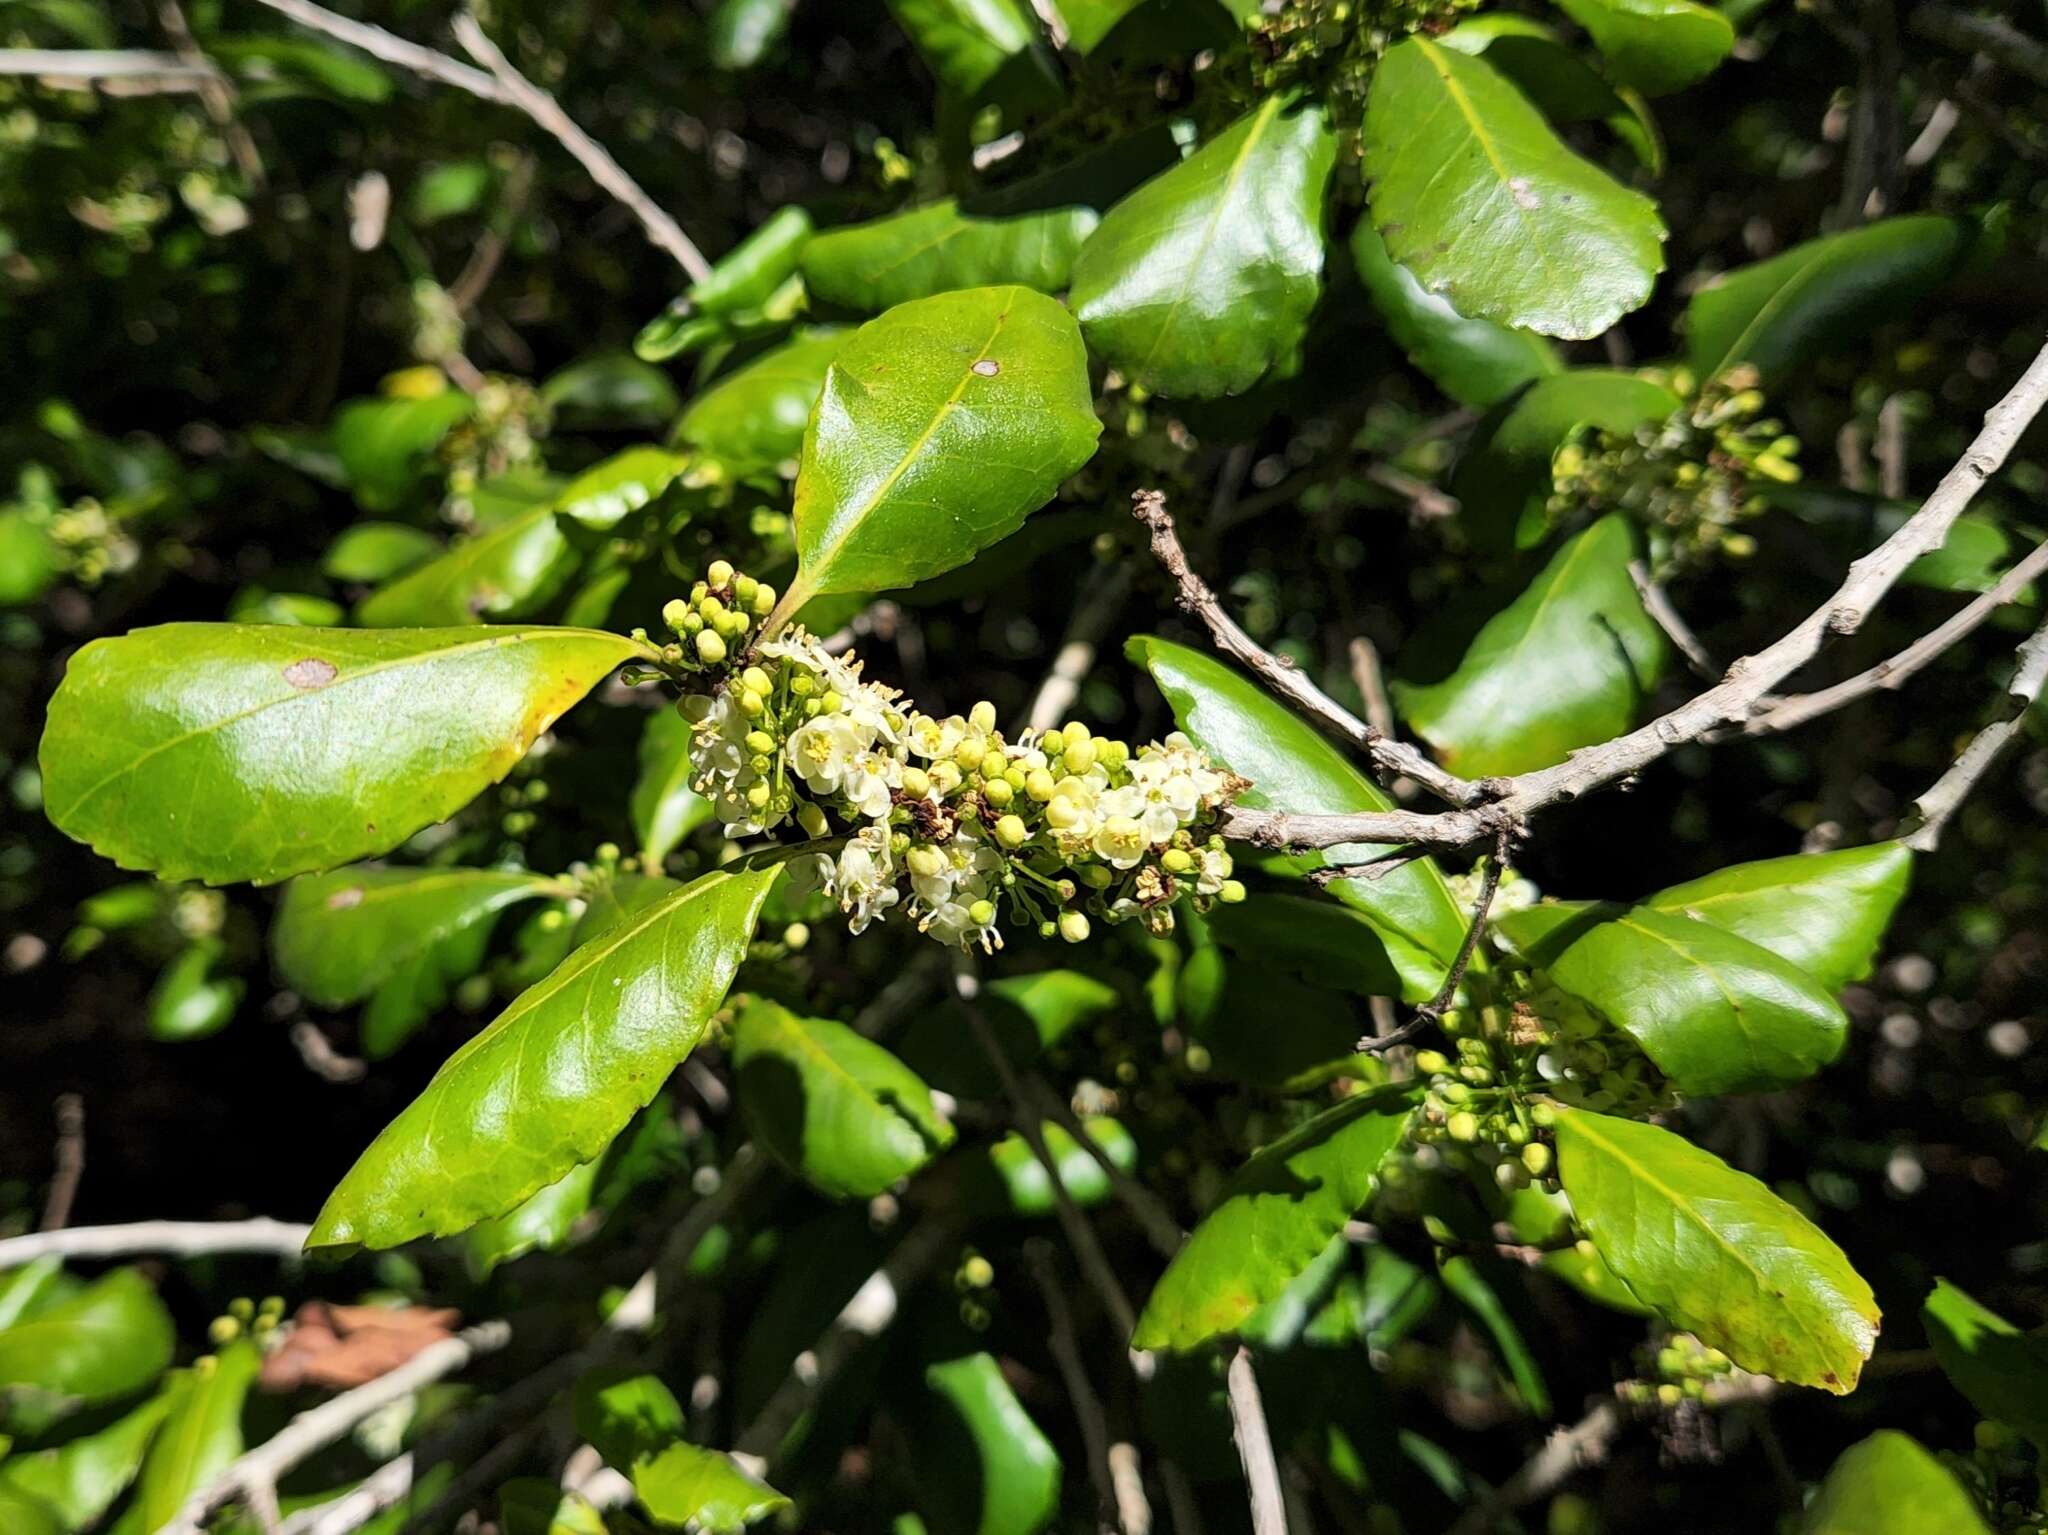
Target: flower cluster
(1679, 1369)
(1330, 47)
(942, 819)
(1690, 479)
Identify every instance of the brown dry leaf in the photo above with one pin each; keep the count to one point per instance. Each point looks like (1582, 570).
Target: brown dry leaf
(344, 1346)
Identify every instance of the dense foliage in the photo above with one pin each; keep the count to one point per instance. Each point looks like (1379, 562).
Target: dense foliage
(1075, 843)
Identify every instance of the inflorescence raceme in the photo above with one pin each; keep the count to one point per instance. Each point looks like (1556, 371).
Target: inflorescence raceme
(944, 820)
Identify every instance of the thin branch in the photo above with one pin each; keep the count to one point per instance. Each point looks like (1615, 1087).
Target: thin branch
(1994, 37)
(1657, 603)
(317, 1051)
(1423, 498)
(254, 1475)
(662, 230)
(1279, 674)
(1255, 1447)
(218, 98)
(1948, 792)
(1133, 1509)
(393, 49)
(1566, 1451)
(1896, 671)
(1143, 1206)
(1066, 1354)
(183, 1239)
(1096, 611)
(1432, 1011)
(69, 1161)
(1730, 701)
(139, 69)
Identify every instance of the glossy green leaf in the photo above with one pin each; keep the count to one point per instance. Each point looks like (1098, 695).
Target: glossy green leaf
(200, 1437)
(382, 444)
(79, 1480)
(1016, 1181)
(377, 551)
(1716, 1253)
(540, 1223)
(255, 605)
(100, 1344)
(938, 248)
(636, 1424)
(1715, 1012)
(1566, 664)
(555, 1076)
(1322, 941)
(1292, 767)
(606, 493)
(747, 276)
(838, 1110)
(611, 390)
(1202, 279)
(944, 424)
(965, 41)
(1656, 46)
(1824, 913)
(340, 936)
(534, 1505)
(1275, 1215)
(991, 1446)
(1464, 1282)
(214, 752)
(29, 560)
(1778, 314)
(505, 571)
(1479, 198)
(740, 32)
(2002, 1370)
(1503, 481)
(189, 1001)
(1561, 84)
(664, 807)
(34, 1288)
(21, 1514)
(1889, 1485)
(755, 417)
(1475, 362)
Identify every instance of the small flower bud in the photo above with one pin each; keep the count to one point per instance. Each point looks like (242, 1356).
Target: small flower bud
(812, 820)
(1431, 1062)
(758, 794)
(1463, 1126)
(720, 573)
(928, 862)
(1073, 732)
(1176, 860)
(1231, 892)
(223, 1330)
(760, 742)
(1080, 755)
(917, 783)
(1052, 743)
(752, 705)
(712, 609)
(744, 587)
(674, 611)
(1061, 813)
(1039, 784)
(1012, 832)
(710, 648)
(983, 717)
(993, 763)
(945, 776)
(795, 936)
(1510, 1176)
(1112, 754)
(1074, 926)
(982, 913)
(1536, 1157)
(1097, 875)
(996, 791)
(764, 600)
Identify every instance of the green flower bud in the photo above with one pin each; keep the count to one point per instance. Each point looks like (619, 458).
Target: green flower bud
(754, 680)
(983, 717)
(1080, 755)
(1536, 1157)
(917, 782)
(982, 913)
(758, 794)
(1431, 1062)
(674, 611)
(719, 573)
(1176, 860)
(812, 820)
(1231, 892)
(744, 587)
(945, 776)
(927, 862)
(795, 936)
(1074, 926)
(712, 609)
(710, 648)
(1073, 732)
(223, 1330)
(760, 742)
(1463, 1126)
(1100, 876)
(752, 705)
(1039, 785)
(996, 791)
(1012, 832)
(978, 1273)
(1052, 743)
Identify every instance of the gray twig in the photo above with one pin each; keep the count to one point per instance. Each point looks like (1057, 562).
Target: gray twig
(1993, 36)
(1255, 1446)
(1657, 603)
(183, 1239)
(1946, 795)
(393, 49)
(69, 1160)
(1432, 1011)
(134, 71)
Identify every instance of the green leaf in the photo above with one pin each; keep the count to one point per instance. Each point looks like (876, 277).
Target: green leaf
(1655, 46)
(1826, 913)
(200, 1437)
(506, 571)
(938, 248)
(838, 1110)
(556, 1075)
(79, 1480)
(255, 605)
(1715, 1012)
(1015, 1181)
(541, 1223)
(21, 1514)
(1478, 197)
(221, 753)
(340, 936)
(188, 1000)
(964, 41)
(30, 563)
(1566, 664)
(105, 1342)
(988, 1467)
(2003, 1371)
(1466, 1284)
(944, 424)
(1293, 768)
(1889, 1485)
(611, 390)
(1275, 1215)
(34, 1288)
(1561, 85)
(665, 809)
(604, 494)
(1778, 314)
(747, 276)
(755, 417)
(1322, 941)
(1475, 362)
(377, 551)
(1264, 1027)
(1202, 279)
(636, 1424)
(1716, 1253)
(383, 443)
(1504, 481)
(534, 1505)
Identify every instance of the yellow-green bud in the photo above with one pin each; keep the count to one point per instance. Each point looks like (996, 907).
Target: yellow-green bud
(1015, 775)
(764, 600)
(802, 686)
(1074, 926)
(982, 913)
(1080, 755)
(1112, 754)
(1776, 468)
(752, 705)
(1536, 1157)
(993, 763)
(1012, 832)
(710, 648)
(1230, 892)
(917, 783)
(1052, 743)
(1061, 813)
(983, 717)
(719, 573)
(830, 702)
(223, 1330)
(1176, 860)
(795, 936)
(1669, 1395)
(1073, 731)
(759, 742)
(1463, 1126)
(674, 611)
(1431, 1062)
(926, 862)
(1097, 875)
(711, 608)
(757, 794)
(744, 587)
(754, 680)
(1039, 784)
(812, 820)
(997, 792)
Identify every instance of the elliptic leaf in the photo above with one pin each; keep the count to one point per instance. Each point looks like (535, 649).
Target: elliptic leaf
(611, 390)
(1202, 279)
(965, 41)
(540, 1223)
(21, 1514)
(1564, 665)
(382, 443)
(2003, 1371)
(1006, 1466)
(755, 417)
(200, 1437)
(506, 571)
(838, 1110)
(105, 1342)
(1889, 1485)
(1778, 314)
(1275, 1216)
(943, 425)
(1479, 198)
(556, 1075)
(1823, 912)
(377, 551)
(938, 248)
(747, 276)
(1715, 1252)
(665, 808)
(1656, 46)
(1475, 362)
(606, 493)
(222, 753)
(689, 1487)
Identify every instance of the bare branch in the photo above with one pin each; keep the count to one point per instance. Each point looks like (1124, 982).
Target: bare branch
(1066, 1353)
(69, 1159)
(1432, 1011)
(322, 1059)
(1133, 1509)
(537, 104)
(1946, 796)
(1997, 39)
(1585, 1443)
(1144, 1206)
(1729, 701)
(1657, 603)
(1255, 1446)
(218, 97)
(1279, 674)
(183, 1239)
(132, 71)
(393, 49)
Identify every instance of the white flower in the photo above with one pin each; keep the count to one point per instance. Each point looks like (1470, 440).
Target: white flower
(933, 739)
(1120, 840)
(870, 777)
(1147, 808)
(864, 882)
(822, 752)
